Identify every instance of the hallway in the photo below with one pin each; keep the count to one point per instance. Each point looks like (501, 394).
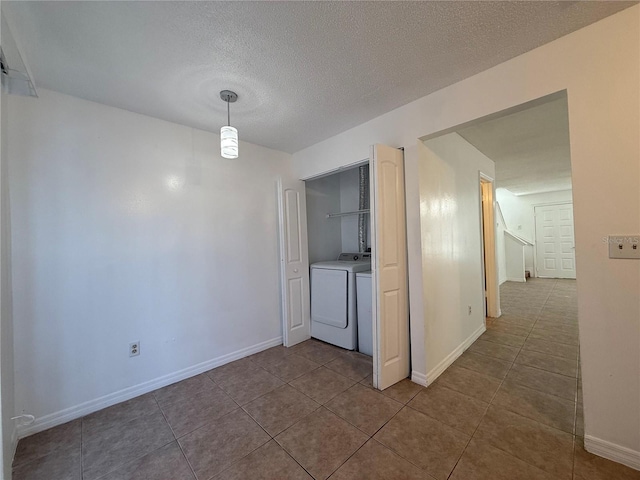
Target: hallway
(509, 408)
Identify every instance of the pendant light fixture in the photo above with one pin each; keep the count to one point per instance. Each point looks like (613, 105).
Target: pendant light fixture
(228, 134)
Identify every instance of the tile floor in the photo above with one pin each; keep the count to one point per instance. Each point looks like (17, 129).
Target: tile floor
(509, 408)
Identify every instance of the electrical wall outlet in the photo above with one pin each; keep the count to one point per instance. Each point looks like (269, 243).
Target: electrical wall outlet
(624, 246)
(134, 349)
(469, 309)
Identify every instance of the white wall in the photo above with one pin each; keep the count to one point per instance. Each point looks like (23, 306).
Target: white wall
(598, 67)
(129, 228)
(518, 215)
(514, 258)
(451, 247)
(501, 226)
(324, 234)
(7, 439)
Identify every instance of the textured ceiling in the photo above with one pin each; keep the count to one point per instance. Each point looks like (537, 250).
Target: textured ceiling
(530, 148)
(304, 71)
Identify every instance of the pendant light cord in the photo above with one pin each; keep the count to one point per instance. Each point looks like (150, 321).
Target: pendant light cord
(228, 114)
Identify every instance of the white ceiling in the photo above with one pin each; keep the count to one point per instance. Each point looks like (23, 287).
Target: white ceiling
(530, 148)
(304, 71)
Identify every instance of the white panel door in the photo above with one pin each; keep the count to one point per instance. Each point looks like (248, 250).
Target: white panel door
(555, 244)
(390, 308)
(294, 262)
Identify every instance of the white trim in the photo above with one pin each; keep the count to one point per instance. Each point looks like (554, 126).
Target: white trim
(521, 280)
(419, 378)
(611, 451)
(435, 372)
(77, 411)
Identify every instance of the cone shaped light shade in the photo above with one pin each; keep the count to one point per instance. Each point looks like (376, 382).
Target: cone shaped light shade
(229, 142)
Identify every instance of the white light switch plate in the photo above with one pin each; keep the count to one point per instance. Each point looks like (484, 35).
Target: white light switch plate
(624, 246)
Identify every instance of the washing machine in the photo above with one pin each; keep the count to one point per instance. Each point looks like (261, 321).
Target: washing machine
(334, 317)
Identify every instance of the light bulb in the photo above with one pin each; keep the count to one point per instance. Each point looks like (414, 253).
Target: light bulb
(229, 142)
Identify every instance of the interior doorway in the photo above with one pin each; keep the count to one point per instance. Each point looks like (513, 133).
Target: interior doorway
(489, 257)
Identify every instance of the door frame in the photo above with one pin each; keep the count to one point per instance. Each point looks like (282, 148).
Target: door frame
(535, 232)
(486, 188)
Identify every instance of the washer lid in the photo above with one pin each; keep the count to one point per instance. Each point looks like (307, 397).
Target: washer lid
(358, 266)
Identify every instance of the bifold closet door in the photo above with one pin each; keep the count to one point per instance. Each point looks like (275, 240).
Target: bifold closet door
(391, 304)
(294, 262)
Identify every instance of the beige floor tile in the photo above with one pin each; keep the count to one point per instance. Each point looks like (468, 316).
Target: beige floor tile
(591, 467)
(403, 391)
(269, 462)
(543, 325)
(255, 383)
(230, 372)
(374, 461)
(557, 337)
(476, 385)
(279, 409)
(500, 326)
(59, 465)
(503, 338)
(364, 408)
(367, 381)
(483, 364)
(322, 384)
(515, 320)
(183, 390)
(111, 448)
(542, 407)
(321, 442)
(192, 413)
(423, 441)
(539, 445)
(550, 363)
(166, 463)
(544, 381)
(579, 430)
(551, 348)
(495, 350)
(450, 407)
(353, 365)
(291, 367)
(219, 444)
(118, 414)
(271, 355)
(484, 462)
(318, 352)
(63, 437)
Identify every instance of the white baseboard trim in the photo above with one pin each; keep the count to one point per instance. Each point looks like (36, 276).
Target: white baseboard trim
(419, 378)
(611, 451)
(436, 371)
(71, 413)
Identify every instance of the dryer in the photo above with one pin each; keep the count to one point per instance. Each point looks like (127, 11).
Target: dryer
(334, 317)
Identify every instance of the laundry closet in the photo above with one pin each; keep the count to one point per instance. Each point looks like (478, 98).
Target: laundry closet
(339, 245)
(343, 258)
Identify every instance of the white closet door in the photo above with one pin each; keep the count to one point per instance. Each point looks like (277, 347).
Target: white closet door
(294, 262)
(391, 306)
(555, 244)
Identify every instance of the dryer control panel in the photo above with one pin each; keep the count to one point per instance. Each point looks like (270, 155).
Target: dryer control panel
(355, 257)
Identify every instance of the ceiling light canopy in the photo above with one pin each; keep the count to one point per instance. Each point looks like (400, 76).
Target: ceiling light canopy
(228, 134)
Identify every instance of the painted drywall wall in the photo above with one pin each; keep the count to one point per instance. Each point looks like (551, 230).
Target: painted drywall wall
(324, 234)
(501, 226)
(451, 245)
(514, 258)
(599, 69)
(127, 228)
(518, 215)
(7, 393)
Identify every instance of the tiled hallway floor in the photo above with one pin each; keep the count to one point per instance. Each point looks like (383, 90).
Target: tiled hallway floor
(508, 409)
